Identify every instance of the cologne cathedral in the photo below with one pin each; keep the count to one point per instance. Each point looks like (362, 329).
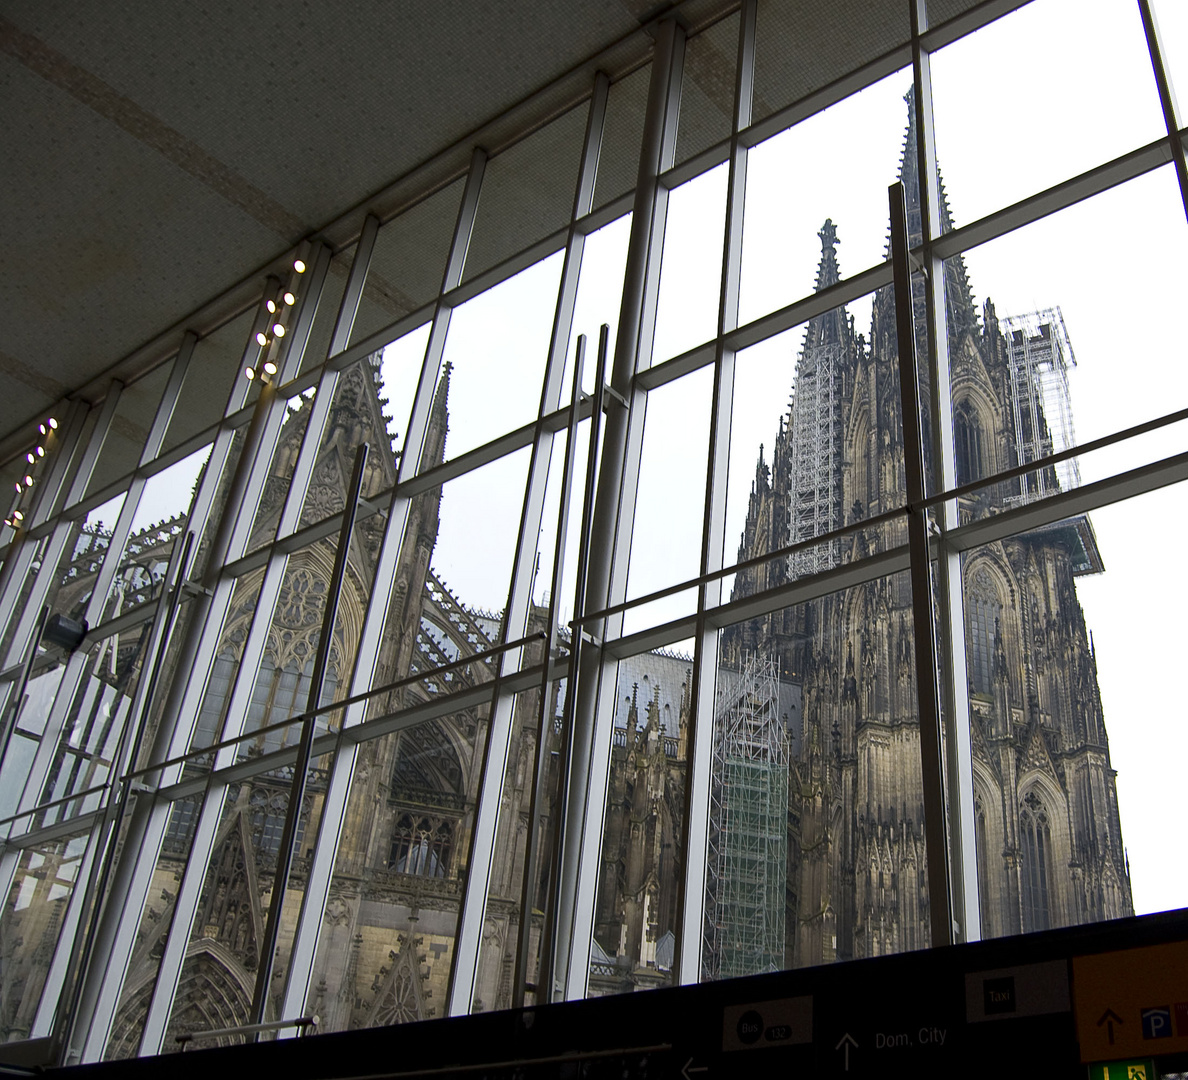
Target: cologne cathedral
(816, 841)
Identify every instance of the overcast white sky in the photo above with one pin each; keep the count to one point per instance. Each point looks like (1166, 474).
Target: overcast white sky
(1049, 91)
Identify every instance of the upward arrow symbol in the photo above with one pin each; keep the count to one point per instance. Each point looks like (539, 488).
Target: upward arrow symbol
(846, 1041)
(1110, 1018)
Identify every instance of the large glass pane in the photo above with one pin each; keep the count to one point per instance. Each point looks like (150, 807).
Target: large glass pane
(599, 296)
(493, 367)
(834, 168)
(408, 261)
(218, 976)
(527, 191)
(618, 159)
(1172, 18)
(816, 845)
(452, 580)
(326, 317)
(390, 921)
(815, 441)
(1084, 280)
(801, 48)
(158, 524)
(372, 402)
(134, 414)
(691, 269)
(279, 481)
(635, 915)
(1055, 113)
(214, 367)
(707, 88)
(670, 501)
(82, 559)
(101, 708)
(497, 952)
(33, 914)
(1075, 734)
(156, 922)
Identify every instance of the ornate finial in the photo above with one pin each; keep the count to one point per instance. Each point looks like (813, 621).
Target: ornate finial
(828, 234)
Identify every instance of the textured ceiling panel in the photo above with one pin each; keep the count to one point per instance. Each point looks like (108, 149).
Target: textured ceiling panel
(159, 154)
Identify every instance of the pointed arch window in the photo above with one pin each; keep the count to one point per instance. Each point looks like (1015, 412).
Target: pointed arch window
(968, 444)
(1036, 849)
(984, 610)
(421, 846)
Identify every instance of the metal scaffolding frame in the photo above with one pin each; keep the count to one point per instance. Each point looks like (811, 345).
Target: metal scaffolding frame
(748, 843)
(1039, 355)
(816, 458)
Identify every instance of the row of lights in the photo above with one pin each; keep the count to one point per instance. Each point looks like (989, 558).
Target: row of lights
(33, 459)
(285, 298)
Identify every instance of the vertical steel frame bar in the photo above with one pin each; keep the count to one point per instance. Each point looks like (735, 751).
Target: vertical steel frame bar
(695, 827)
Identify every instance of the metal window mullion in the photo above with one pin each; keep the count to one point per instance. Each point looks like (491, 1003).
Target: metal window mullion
(117, 938)
(68, 688)
(958, 813)
(27, 618)
(485, 834)
(80, 899)
(251, 658)
(90, 455)
(608, 543)
(1167, 96)
(698, 777)
(318, 881)
(169, 398)
(307, 458)
(352, 295)
(186, 905)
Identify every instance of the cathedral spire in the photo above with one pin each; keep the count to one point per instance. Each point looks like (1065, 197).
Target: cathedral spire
(827, 272)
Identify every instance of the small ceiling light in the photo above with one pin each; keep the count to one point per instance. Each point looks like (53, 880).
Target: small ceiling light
(18, 516)
(262, 338)
(43, 430)
(41, 451)
(53, 424)
(250, 373)
(271, 305)
(20, 489)
(28, 480)
(299, 266)
(279, 330)
(289, 299)
(270, 368)
(30, 458)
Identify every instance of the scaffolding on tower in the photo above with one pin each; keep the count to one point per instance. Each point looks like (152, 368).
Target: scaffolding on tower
(1039, 355)
(816, 459)
(745, 894)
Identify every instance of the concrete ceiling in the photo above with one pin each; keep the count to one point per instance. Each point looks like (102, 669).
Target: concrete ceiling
(155, 152)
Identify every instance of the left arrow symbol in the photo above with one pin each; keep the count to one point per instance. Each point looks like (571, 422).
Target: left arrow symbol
(689, 1067)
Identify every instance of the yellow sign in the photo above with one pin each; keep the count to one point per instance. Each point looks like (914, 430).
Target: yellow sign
(1132, 1004)
(1123, 1070)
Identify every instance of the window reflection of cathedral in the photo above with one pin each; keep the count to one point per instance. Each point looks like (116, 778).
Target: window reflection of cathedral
(854, 880)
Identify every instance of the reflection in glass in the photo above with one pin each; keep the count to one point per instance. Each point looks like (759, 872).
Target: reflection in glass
(124, 442)
(691, 268)
(1061, 111)
(33, 914)
(86, 547)
(156, 922)
(1082, 279)
(408, 261)
(214, 368)
(635, 914)
(707, 88)
(817, 753)
(666, 535)
(835, 164)
(496, 348)
(285, 453)
(1046, 820)
(390, 921)
(159, 521)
